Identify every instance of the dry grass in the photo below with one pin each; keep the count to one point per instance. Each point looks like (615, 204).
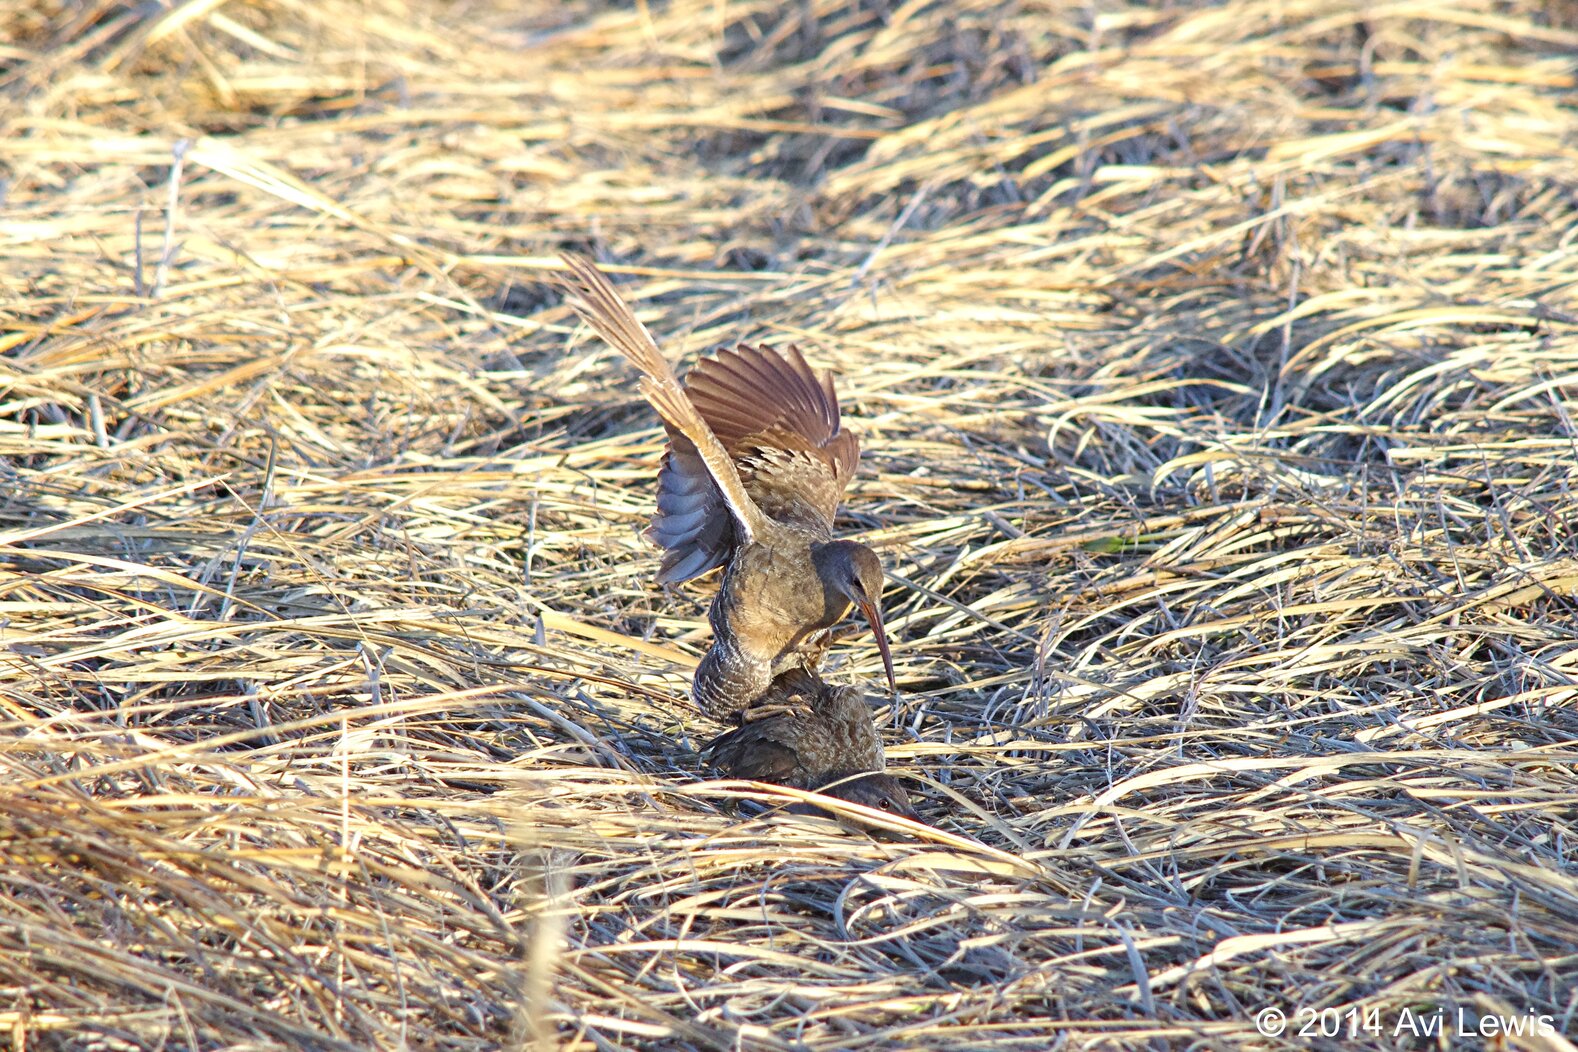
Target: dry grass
(1215, 365)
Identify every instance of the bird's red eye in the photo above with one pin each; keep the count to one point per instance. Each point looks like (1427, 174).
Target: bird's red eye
(886, 805)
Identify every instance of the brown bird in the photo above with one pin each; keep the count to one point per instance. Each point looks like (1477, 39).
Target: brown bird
(756, 465)
(822, 739)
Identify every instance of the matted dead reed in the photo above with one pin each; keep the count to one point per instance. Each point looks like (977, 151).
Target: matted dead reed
(1215, 366)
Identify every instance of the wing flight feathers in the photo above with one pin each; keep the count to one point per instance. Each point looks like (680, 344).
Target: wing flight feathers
(601, 307)
(748, 391)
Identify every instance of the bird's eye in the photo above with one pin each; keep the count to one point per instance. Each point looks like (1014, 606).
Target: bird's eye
(886, 805)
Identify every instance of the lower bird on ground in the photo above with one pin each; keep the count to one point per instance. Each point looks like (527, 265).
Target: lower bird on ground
(812, 735)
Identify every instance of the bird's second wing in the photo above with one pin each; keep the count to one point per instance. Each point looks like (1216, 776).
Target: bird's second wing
(779, 419)
(692, 525)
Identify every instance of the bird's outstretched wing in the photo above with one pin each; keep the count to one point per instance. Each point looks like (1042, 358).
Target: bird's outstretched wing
(779, 421)
(766, 413)
(605, 311)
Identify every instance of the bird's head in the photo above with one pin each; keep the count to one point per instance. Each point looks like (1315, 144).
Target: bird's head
(853, 571)
(880, 792)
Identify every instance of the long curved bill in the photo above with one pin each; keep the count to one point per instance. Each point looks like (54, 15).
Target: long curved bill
(873, 614)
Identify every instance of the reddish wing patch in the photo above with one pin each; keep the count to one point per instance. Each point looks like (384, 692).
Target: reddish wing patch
(760, 401)
(748, 391)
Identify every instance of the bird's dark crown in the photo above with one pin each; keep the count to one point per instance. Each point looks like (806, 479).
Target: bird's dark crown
(851, 567)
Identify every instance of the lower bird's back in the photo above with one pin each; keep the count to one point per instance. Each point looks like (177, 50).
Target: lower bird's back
(811, 733)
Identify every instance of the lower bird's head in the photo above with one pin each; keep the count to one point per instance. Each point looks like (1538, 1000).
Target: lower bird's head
(853, 571)
(880, 792)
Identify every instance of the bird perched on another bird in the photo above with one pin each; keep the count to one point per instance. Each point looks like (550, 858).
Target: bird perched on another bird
(756, 465)
(823, 739)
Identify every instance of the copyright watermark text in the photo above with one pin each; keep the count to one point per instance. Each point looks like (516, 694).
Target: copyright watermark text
(1434, 1021)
